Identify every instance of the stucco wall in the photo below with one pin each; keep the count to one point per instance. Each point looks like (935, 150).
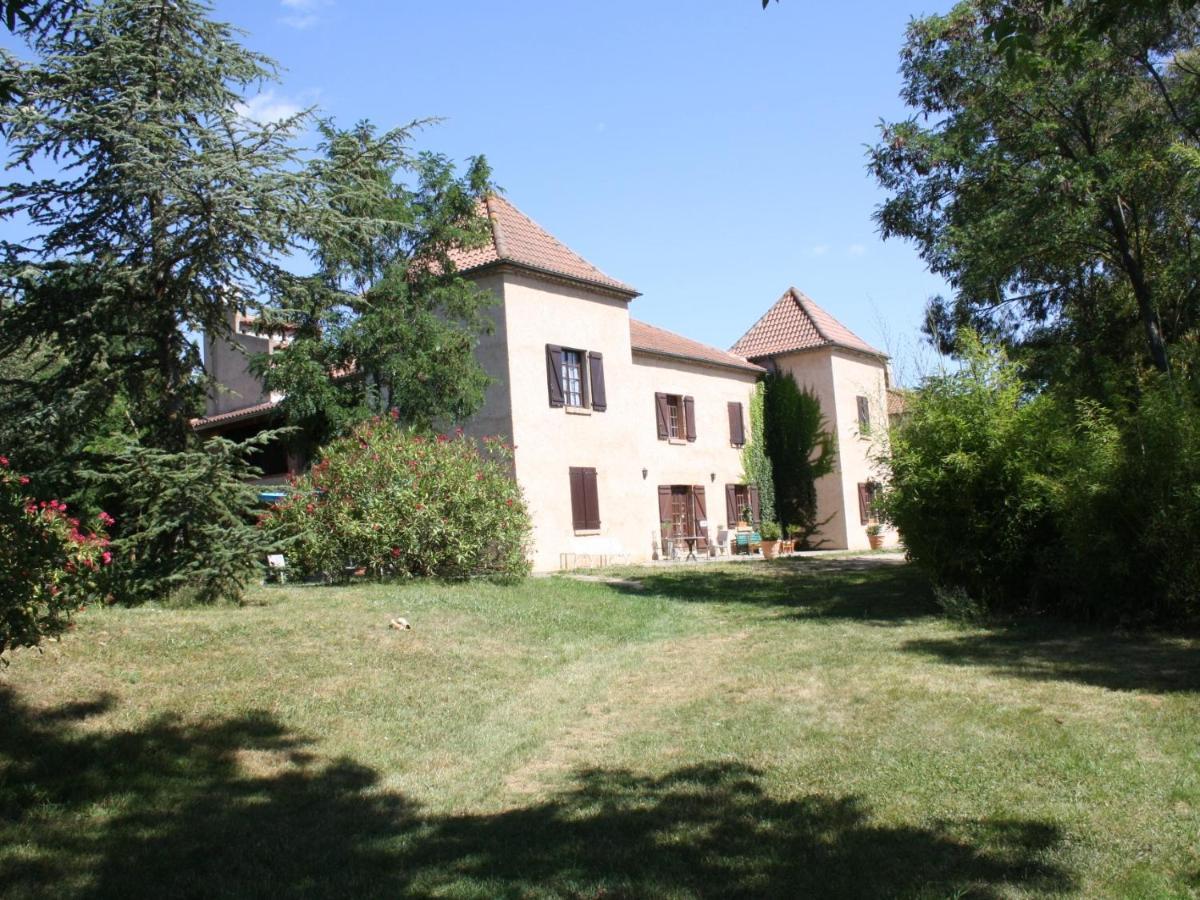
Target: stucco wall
(227, 361)
(550, 440)
(813, 369)
(856, 375)
(495, 416)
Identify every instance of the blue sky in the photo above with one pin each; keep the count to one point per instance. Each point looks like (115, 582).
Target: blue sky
(707, 152)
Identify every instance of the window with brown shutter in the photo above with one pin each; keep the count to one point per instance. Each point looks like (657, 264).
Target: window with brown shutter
(572, 378)
(596, 378)
(755, 505)
(737, 430)
(689, 414)
(662, 416)
(554, 374)
(585, 501)
(737, 498)
(700, 516)
(731, 505)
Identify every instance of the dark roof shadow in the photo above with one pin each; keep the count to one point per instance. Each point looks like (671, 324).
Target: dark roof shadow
(1055, 652)
(878, 590)
(241, 807)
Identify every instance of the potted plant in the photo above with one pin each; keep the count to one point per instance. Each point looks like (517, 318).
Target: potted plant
(747, 515)
(668, 544)
(796, 536)
(770, 540)
(875, 536)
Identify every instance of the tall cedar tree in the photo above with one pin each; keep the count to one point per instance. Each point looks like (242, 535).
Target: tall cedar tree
(154, 205)
(386, 323)
(1058, 197)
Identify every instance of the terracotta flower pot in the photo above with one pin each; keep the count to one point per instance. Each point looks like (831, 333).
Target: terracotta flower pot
(875, 540)
(770, 549)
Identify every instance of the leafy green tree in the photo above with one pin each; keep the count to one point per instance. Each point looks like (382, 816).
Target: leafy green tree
(800, 448)
(756, 465)
(386, 323)
(1057, 197)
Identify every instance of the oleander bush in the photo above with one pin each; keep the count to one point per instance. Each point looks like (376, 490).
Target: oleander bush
(51, 564)
(388, 501)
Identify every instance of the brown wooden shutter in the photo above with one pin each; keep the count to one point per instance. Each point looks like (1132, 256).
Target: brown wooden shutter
(596, 376)
(661, 415)
(731, 510)
(585, 501)
(737, 431)
(554, 374)
(689, 415)
(664, 508)
(701, 516)
(591, 496)
(755, 508)
(864, 501)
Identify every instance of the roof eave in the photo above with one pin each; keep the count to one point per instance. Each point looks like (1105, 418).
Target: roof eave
(624, 291)
(748, 367)
(827, 345)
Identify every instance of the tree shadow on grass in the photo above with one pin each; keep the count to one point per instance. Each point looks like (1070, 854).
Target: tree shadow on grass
(1048, 651)
(240, 807)
(881, 591)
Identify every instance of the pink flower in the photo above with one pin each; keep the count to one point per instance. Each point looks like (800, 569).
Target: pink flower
(107, 520)
(395, 414)
(309, 508)
(106, 558)
(24, 479)
(395, 552)
(4, 461)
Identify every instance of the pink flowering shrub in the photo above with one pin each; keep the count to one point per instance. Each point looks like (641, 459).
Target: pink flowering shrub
(50, 564)
(396, 503)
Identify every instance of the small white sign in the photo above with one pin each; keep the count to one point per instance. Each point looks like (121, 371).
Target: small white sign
(704, 523)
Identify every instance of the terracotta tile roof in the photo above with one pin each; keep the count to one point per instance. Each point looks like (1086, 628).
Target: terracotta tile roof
(659, 341)
(235, 415)
(519, 240)
(795, 322)
(897, 402)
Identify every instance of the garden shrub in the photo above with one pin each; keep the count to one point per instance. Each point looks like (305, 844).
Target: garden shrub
(394, 502)
(972, 485)
(1019, 501)
(50, 564)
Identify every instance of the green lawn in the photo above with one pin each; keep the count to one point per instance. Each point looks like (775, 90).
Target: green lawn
(791, 729)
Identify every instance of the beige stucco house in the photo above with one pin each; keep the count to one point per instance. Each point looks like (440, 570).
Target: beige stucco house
(624, 432)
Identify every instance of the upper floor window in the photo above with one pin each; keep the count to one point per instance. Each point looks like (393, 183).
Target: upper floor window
(737, 427)
(675, 429)
(572, 377)
(675, 416)
(864, 413)
(575, 378)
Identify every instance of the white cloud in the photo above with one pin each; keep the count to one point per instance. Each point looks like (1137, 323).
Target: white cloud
(266, 107)
(856, 249)
(303, 13)
(819, 250)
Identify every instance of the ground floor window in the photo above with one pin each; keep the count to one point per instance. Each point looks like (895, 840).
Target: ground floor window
(738, 499)
(868, 499)
(682, 514)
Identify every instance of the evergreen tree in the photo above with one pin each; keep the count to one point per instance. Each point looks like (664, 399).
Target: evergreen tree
(386, 323)
(801, 450)
(756, 465)
(155, 206)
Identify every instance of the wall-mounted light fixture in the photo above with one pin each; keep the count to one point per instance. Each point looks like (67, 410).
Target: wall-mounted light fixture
(712, 475)
(645, 472)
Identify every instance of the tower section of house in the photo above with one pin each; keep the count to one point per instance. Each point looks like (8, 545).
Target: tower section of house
(577, 386)
(849, 378)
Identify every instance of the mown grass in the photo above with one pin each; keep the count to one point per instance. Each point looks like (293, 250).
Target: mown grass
(800, 728)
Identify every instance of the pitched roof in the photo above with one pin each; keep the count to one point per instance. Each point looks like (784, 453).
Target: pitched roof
(660, 342)
(795, 322)
(235, 415)
(517, 239)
